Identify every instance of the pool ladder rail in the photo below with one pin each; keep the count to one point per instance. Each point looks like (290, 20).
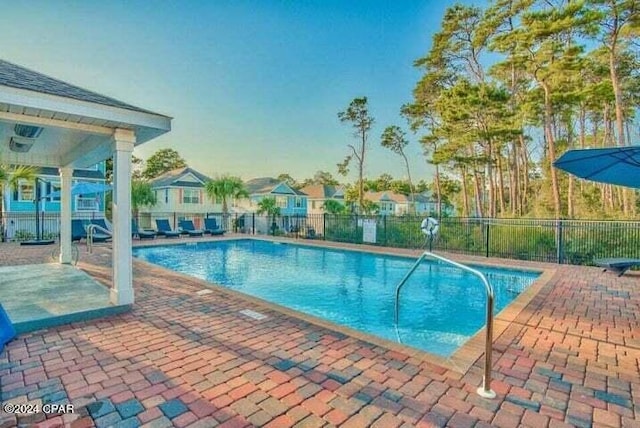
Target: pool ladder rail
(485, 390)
(91, 229)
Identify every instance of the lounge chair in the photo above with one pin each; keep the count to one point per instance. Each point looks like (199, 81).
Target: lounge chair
(101, 224)
(187, 226)
(79, 231)
(164, 229)
(141, 233)
(211, 226)
(618, 265)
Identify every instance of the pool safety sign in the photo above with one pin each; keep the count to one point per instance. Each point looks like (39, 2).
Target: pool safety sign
(369, 230)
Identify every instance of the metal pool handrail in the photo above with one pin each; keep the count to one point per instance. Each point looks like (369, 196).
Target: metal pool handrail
(90, 230)
(485, 390)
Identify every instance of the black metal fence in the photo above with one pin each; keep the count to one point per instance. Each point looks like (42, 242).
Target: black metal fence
(558, 241)
(24, 226)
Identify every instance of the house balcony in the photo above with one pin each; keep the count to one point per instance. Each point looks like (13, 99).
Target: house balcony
(87, 204)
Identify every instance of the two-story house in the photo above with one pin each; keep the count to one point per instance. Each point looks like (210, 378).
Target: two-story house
(19, 204)
(318, 194)
(391, 203)
(292, 202)
(180, 194)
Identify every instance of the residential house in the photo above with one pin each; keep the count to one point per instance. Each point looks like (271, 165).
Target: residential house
(19, 204)
(391, 203)
(318, 194)
(292, 202)
(180, 194)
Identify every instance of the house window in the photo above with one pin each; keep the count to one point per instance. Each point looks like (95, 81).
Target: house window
(166, 196)
(26, 191)
(281, 201)
(191, 196)
(298, 202)
(55, 187)
(386, 206)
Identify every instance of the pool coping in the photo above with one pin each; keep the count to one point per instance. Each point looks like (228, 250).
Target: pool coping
(460, 361)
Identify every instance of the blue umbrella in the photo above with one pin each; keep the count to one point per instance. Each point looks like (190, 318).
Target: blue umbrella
(84, 188)
(612, 165)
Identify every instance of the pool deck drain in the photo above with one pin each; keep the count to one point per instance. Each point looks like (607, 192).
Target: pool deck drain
(569, 358)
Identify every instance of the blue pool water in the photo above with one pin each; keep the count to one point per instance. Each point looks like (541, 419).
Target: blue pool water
(440, 306)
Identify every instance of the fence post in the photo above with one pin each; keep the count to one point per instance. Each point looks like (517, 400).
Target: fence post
(174, 219)
(559, 241)
(253, 223)
(324, 226)
(487, 229)
(235, 223)
(384, 222)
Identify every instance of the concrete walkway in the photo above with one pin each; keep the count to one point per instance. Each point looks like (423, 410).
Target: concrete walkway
(187, 358)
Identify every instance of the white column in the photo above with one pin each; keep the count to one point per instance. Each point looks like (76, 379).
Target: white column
(65, 215)
(122, 290)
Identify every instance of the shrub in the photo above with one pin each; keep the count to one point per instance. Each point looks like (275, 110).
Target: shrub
(23, 235)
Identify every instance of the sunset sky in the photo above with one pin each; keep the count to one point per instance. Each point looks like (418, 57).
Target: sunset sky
(254, 87)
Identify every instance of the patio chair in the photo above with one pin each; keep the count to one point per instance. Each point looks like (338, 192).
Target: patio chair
(187, 226)
(79, 231)
(164, 229)
(141, 233)
(311, 233)
(211, 226)
(617, 265)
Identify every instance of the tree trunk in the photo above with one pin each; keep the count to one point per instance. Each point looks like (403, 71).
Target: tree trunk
(582, 124)
(465, 193)
(361, 170)
(492, 188)
(631, 196)
(525, 175)
(606, 125)
(412, 199)
(500, 184)
(478, 193)
(548, 115)
(615, 83)
(513, 173)
(439, 191)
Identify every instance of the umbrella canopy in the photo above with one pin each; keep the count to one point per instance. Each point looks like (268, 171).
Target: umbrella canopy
(84, 188)
(613, 165)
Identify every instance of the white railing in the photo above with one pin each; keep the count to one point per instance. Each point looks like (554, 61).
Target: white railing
(86, 204)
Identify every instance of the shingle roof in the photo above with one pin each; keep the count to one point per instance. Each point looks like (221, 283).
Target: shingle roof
(19, 77)
(320, 191)
(172, 178)
(385, 196)
(264, 185)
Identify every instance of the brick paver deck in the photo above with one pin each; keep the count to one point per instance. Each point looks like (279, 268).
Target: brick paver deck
(570, 358)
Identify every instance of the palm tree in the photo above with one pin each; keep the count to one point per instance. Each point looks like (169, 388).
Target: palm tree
(268, 206)
(332, 206)
(141, 195)
(12, 176)
(226, 187)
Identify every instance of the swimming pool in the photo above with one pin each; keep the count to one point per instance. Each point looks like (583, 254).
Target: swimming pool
(441, 306)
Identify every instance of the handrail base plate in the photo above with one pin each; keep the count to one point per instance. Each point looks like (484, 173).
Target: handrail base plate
(486, 394)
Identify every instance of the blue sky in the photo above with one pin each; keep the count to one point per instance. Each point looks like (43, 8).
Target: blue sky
(254, 87)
